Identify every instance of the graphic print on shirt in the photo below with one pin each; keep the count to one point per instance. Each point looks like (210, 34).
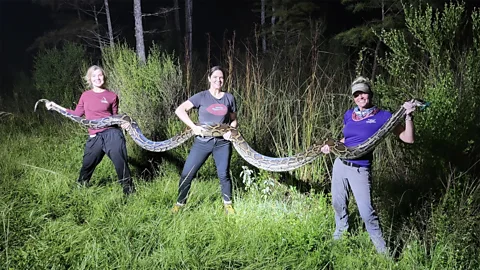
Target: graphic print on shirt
(211, 109)
(357, 132)
(104, 100)
(217, 109)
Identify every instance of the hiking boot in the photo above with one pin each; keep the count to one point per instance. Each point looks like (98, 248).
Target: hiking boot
(82, 184)
(176, 208)
(229, 209)
(128, 189)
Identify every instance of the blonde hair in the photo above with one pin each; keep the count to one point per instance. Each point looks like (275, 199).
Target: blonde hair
(361, 84)
(90, 71)
(361, 79)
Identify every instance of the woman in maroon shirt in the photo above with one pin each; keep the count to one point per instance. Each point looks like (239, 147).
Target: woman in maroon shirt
(98, 102)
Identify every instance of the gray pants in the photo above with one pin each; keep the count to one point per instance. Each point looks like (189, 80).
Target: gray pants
(358, 180)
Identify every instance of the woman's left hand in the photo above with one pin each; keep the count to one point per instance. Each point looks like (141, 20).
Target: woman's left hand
(409, 107)
(325, 149)
(228, 136)
(126, 125)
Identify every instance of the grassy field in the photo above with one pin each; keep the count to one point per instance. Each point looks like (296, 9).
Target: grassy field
(48, 222)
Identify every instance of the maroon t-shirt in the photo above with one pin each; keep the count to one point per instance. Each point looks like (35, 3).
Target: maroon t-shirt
(95, 106)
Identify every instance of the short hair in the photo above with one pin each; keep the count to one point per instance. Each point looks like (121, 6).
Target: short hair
(90, 71)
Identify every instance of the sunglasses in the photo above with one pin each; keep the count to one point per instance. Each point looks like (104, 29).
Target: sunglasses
(358, 93)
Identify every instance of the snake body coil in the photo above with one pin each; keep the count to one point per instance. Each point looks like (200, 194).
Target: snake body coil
(276, 164)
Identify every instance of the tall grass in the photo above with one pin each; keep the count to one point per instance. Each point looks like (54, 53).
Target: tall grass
(50, 222)
(290, 98)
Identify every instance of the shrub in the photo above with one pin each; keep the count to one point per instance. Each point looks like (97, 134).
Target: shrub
(58, 73)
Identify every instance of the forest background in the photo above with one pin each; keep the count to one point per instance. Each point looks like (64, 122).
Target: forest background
(289, 64)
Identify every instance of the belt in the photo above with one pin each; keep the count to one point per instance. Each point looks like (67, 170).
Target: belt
(348, 163)
(209, 137)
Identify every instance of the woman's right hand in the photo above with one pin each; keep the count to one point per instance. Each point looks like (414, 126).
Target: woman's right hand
(49, 105)
(198, 130)
(325, 149)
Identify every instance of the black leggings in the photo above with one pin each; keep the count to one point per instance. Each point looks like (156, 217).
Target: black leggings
(201, 150)
(112, 143)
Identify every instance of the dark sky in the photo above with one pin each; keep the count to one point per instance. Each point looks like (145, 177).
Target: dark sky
(21, 22)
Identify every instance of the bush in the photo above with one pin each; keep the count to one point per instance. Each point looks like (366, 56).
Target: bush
(58, 73)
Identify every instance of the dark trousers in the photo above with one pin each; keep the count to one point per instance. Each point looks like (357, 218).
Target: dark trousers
(112, 143)
(221, 150)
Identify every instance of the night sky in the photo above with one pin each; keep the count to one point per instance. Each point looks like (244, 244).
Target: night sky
(21, 22)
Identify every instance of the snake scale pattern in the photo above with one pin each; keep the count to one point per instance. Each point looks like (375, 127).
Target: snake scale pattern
(275, 164)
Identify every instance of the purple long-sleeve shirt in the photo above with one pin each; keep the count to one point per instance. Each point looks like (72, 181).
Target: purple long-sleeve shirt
(356, 132)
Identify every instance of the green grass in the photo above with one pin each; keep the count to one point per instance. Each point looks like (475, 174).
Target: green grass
(48, 222)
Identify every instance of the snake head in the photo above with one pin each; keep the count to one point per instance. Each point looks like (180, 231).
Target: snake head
(40, 100)
(421, 104)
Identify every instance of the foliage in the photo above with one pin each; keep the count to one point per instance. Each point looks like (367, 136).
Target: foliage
(432, 63)
(294, 14)
(148, 92)
(22, 96)
(159, 82)
(80, 28)
(71, 32)
(262, 183)
(387, 15)
(293, 21)
(287, 98)
(58, 73)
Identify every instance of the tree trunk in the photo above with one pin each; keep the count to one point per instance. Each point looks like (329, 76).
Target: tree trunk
(188, 43)
(377, 48)
(188, 26)
(77, 8)
(273, 18)
(100, 45)
(137, 13)
(178, 32)
(109, 23)
(264, 38)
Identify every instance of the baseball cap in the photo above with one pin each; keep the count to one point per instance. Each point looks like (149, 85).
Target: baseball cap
(361, 84)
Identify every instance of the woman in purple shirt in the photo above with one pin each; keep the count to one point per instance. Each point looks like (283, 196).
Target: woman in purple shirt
(360, 123)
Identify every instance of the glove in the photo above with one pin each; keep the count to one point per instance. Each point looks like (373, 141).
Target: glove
(325, 149)
(409, 107)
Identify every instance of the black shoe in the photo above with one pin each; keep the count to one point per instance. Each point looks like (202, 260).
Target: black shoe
(128, 189)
